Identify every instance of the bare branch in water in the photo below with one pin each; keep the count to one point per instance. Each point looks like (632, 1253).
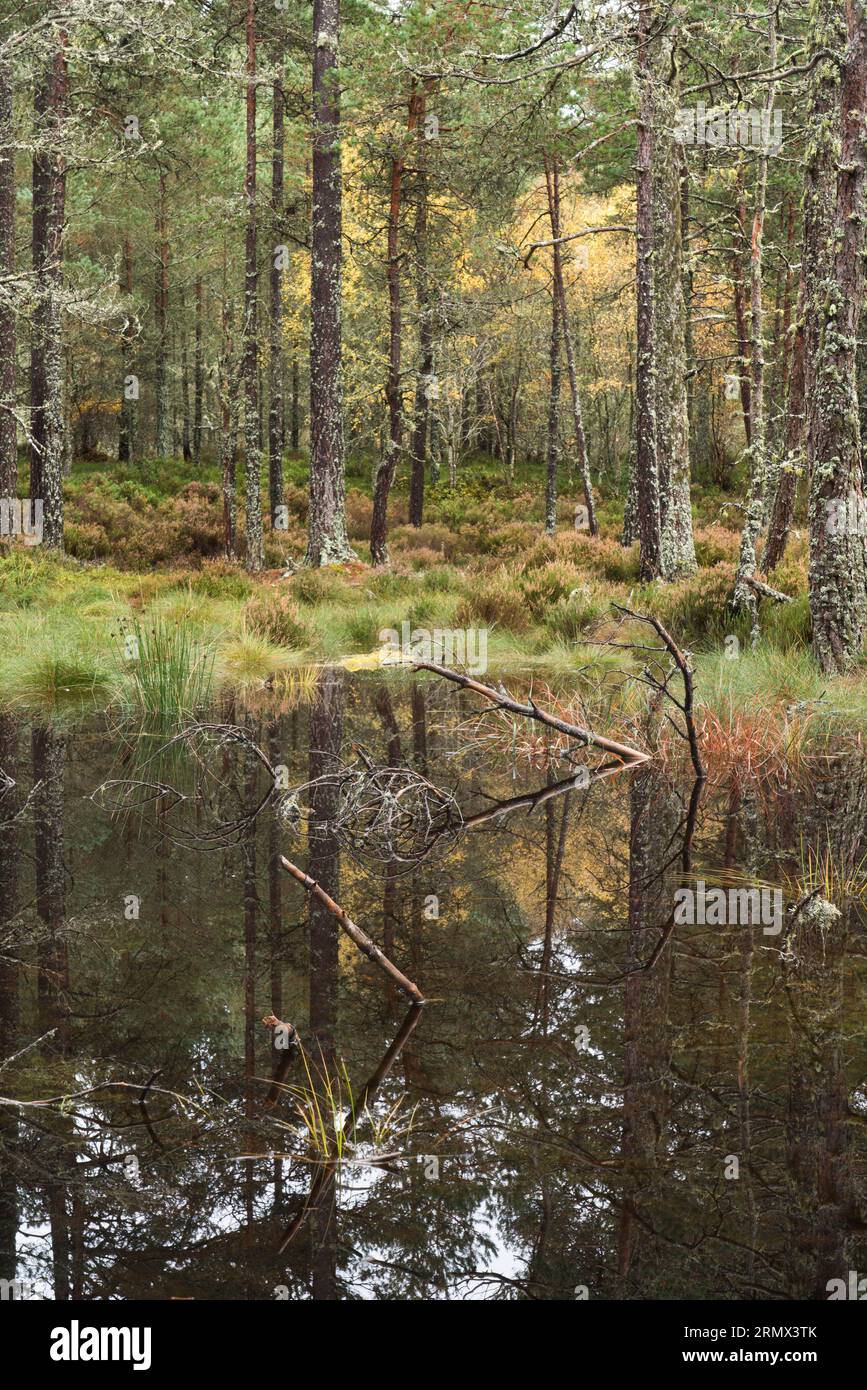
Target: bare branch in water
(354, 932)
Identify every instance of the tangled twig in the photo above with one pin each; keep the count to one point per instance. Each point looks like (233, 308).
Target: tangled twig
(391, 814)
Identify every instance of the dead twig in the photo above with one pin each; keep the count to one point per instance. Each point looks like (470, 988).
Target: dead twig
(687, 704)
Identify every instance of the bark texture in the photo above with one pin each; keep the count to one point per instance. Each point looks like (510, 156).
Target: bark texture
(8, 428)
(327, 541)
(275, 354)
(46, 356)
(645, 465)
(835, 287)
(552, 179)
(388, 463)
(252, 423)
(421, 412)
(669, 323)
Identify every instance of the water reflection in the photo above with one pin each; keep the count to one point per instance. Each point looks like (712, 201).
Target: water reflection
(595, 1098)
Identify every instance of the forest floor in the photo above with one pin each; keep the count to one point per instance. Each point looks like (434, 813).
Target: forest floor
(144, 608)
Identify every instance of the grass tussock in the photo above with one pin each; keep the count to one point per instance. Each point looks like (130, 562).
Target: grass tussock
(171, 670)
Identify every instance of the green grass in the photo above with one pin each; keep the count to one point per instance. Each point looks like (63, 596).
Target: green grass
(783, 677)
(480, 560)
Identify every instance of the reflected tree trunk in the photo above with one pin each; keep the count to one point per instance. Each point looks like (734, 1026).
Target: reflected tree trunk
(654, 819)
(9, 987)
(49, 767)
(822, 1202)
(326, 736)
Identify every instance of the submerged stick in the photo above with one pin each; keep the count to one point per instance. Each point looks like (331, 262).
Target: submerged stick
(354, 932)
(502, 700)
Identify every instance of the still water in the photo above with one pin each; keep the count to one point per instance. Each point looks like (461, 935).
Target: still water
(595, 1101)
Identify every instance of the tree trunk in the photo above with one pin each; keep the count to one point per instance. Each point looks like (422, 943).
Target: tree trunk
(835, 287)
(387, 464)
(327, 542)
(782, 352)
(126, 435)
(670, 310)
(421, 414)
(646, 472)
(46, 358)
(553, 456)
(252, 424)
(228, 434)
(186, 422)
(740, 305)
(791, 464)
(8, 427)
(161, 308)
(552, 181)
(744, 595)
(275, 358)
(198, 378)
(295, 418)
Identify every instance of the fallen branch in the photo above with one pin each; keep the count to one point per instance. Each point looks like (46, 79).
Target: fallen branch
(353, 931)
(502, 700)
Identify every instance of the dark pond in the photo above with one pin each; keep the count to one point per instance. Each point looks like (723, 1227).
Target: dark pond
(597, 1100)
